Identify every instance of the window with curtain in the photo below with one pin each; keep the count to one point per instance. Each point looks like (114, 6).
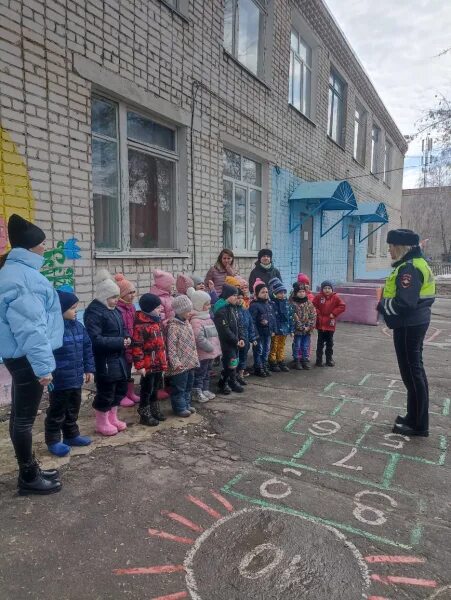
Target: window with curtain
(375, 149)
(242, 202)
(138, 212)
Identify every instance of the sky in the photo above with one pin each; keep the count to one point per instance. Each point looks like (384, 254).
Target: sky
(398, 41)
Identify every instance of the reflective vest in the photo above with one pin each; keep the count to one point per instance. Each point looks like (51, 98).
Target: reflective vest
(428, 287)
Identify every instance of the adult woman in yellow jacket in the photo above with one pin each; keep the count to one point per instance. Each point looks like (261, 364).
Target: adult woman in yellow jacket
(407, 297)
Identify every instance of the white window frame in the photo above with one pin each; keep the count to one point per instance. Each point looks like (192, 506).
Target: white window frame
(247, 186)
(375, 149)
(305, 96)
(341, 99)
(124, 144)
(360, 123)
(388, 162)
(233, 51)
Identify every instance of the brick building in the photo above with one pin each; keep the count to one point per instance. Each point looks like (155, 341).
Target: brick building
(155, 132)
(428, 211)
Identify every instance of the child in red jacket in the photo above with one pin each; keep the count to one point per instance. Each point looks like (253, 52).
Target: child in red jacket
(328, 306)
(149, 357)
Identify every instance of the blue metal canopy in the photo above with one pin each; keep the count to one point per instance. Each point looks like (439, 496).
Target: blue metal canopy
(324, 195)
(371, 212)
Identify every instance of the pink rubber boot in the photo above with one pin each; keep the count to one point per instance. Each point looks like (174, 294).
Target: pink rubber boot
(131, 392)
(162, 395)
(112, 416)
(103, 425)
(126, 401)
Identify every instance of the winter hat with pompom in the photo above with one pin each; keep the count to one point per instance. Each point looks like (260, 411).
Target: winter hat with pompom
(125, 286)
(303, 278)
(258, 281)
(183, 283)
(163, 280)
(106, 287)
(199, 299)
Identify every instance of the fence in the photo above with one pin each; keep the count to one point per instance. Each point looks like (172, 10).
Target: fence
(440, 268)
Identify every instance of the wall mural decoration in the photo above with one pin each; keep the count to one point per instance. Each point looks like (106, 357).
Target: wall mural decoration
(61, 276)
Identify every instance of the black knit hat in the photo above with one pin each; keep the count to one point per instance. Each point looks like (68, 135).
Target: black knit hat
(264, 252)
(228, 290)
(326, 284)
(298, 286)
(149, 302)
(403, 237)
(23, 234)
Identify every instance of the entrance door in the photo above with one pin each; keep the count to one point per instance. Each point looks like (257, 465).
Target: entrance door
(351, 253)
(307, 247)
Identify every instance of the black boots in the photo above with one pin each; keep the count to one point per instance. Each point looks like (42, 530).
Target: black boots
(319, 361)
(259, 372)
(234, 385)
(305, 365)
(283, 367)
(155, 411)
(265, 368)
(330, 362)
(273, 366)
(241, 379)
(298, 365)
(223, 385)
(146, 417)
(33, 481)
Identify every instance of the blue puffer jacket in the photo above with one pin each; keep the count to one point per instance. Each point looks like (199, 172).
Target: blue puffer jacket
(283, 312)
(107, 333)
(247, 325)
(74, 359)
(31, 323)
(262, 313)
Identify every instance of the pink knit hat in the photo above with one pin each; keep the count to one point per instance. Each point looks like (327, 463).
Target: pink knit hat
(183, 283)
(303, 278)
(163, 280)
(124, 284)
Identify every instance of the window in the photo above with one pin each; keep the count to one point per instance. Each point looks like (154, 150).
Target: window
(375, 149)
(242, 202)
(360, 133)
(388, 155)
(337, 89)
(243, 32)
(300, 85)
(138, 212)
(372, 239)
(383, 250)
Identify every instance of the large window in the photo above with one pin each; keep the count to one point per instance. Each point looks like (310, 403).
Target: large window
(388, 160)
(336, 121)
(360, 133)
(375, 149)
(243, 32)
(300, 85)
(242, 202)
(133, 172)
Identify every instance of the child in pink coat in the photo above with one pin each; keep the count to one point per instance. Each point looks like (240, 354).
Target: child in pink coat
(127, 309)
(207, 344)
(163, 287)
(183, 283)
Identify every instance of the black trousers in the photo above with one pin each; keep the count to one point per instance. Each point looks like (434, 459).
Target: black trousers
(108, 394)
(150, 384)
(325, 338)
(26, 394)
(62, 415)
(409, 352)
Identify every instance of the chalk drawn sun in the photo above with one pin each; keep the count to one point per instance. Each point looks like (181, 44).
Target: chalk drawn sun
(258, 553)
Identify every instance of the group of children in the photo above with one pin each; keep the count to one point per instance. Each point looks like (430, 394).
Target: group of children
(181, 329)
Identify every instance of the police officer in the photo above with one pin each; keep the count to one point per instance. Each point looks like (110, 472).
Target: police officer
(408, 295)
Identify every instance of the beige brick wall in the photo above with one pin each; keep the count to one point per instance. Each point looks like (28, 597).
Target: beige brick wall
(45, 107)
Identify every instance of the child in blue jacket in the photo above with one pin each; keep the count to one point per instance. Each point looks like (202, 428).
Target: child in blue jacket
(283, 312)
(249, 335)
(262, 313)
(74, 364)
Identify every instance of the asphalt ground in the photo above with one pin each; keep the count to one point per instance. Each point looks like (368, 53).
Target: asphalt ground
(295, 489)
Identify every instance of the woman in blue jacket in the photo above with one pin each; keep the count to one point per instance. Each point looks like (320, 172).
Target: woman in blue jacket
(31, 327)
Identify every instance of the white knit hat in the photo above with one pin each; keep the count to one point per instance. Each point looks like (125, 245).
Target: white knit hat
(181, 304)
(199, 299)
(106, 287)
